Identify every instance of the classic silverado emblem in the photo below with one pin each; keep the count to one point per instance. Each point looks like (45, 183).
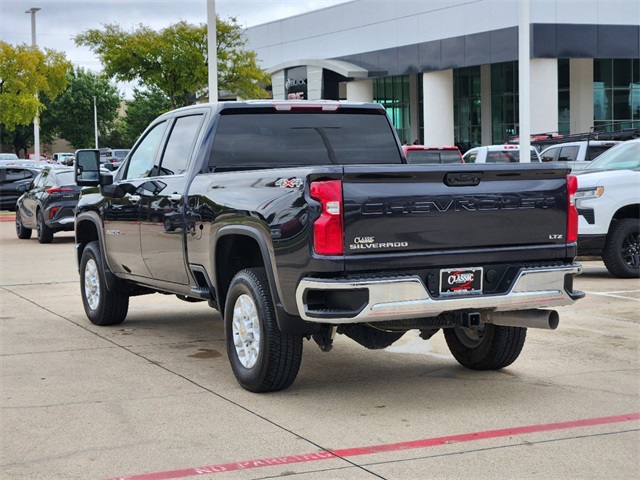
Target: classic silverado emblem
(289, 182)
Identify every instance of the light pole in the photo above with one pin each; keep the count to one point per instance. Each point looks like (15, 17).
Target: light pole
(95, 121)
(36, 121)
(212, 53)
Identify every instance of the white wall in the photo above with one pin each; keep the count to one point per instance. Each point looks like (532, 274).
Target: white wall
(581, 94)
(367, 25)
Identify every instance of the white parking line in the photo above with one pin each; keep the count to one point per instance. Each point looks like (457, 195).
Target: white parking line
(612, 294)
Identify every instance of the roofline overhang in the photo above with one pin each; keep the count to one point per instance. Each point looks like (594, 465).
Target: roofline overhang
(341, 67)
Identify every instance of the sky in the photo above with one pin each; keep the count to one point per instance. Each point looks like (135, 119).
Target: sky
(58, 22)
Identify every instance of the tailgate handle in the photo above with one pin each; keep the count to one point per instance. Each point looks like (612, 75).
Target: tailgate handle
(463, 179)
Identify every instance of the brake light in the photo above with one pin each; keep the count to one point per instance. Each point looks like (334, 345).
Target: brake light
(328, 229)
(572, 211)
(53, 190)
(306, 105)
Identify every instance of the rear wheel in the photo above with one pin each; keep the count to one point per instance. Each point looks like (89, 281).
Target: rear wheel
(102, 306)
(45, 234)
(263, 359)
(487, 347)
(621, 254)
(22, 232)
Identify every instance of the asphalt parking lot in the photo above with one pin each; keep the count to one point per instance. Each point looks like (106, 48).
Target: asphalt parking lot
(154, 398)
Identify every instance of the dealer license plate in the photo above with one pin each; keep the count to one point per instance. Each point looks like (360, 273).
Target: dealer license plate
(460, 280)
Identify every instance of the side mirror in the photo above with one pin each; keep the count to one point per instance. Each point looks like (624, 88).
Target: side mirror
(22, 188)
(87, 169)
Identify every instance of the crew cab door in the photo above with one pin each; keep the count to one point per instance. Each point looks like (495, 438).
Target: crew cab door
(122, 212)
(162, 215)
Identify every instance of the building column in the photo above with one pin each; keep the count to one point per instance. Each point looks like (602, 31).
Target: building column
(314, 83)
(414, 106)
(485, 105)
(544, 95)
(580, 95)
(437, 94)
(360, 91)
(277, 85)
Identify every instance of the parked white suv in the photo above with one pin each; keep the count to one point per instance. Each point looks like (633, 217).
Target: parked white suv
(608, 202)
(583, 151)
(497, 154)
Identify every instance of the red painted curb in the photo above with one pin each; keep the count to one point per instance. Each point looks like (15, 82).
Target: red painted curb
(390, 447)
(7, 218)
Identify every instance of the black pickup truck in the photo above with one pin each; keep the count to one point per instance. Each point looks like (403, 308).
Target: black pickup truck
(302, 220)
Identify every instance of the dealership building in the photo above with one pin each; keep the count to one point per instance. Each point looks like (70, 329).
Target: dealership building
(447, 70)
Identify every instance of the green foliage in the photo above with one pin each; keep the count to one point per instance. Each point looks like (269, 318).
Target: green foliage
(70, 115)
(141, 111)
(174, 60)
(25, 73)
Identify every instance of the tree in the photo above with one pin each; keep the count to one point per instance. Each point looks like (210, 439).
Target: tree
(141, 111)
(174, 60)
(26, 73)
(70, 115)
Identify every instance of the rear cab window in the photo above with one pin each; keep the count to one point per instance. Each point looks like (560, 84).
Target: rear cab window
(281, 139)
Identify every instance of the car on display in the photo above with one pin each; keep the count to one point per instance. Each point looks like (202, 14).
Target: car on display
(417, 154)
(8, 157)
(113, 158)
(608, 202)
(302, 220)
(48, 204)
(64, 158)
(582, 151)
(12, 177)
(497, 154)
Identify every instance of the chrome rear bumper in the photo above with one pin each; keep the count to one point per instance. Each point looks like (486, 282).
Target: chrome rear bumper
(401, 298)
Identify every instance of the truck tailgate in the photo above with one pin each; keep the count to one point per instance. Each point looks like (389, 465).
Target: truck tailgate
(442, 208)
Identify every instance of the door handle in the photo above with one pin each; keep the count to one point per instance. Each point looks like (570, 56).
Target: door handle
(134, 198)
(175, 197)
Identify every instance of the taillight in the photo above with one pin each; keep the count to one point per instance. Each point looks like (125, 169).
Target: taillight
(53, 211)
(572, 211)
(53, 190)
(328, 230)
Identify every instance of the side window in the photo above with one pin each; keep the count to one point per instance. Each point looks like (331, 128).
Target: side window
(471, 158)
(568, 154)
(40, 180)
(143, 158)
(549, 155)
(175, 159)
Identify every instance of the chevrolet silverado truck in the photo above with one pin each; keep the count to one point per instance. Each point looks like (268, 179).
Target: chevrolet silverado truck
(301, 220)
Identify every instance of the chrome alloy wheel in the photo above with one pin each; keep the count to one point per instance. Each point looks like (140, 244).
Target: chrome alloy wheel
(246, 331)
(92, 284)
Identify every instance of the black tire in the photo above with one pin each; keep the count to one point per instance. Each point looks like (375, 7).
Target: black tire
(621, 254)
(102, 306)
(271, 362)
(489, 347)
(45, 234)
(22, 232)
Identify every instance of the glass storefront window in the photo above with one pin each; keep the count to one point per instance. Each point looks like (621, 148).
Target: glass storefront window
(466, 108)
(616, 93)
(504, 100)
(564, 97)
(394, 94)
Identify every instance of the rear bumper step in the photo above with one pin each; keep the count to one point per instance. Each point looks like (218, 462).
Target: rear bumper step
(407, 297)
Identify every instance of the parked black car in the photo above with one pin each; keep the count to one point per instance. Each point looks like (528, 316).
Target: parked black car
(12, 177)
(48, 204)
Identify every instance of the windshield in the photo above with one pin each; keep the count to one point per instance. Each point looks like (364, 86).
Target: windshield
(625, 156)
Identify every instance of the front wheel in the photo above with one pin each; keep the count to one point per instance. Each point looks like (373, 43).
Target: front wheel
(22, 232)
(487, 347)
(621, 254)
(263, 359)
(102, 306)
